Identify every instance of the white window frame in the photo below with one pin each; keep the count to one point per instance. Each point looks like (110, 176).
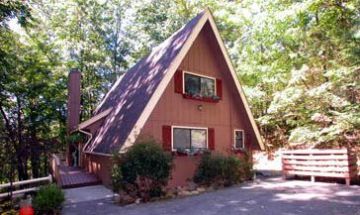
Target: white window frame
(188, 127)
(196, 74)
(243, 139)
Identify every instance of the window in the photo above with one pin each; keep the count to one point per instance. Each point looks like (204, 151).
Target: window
(200, 86)
(239, 142)
(189, 138)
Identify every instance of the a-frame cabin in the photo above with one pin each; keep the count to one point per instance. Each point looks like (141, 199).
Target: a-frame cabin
(185, 94)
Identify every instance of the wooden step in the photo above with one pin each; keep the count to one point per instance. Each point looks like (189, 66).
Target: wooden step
(71, 177)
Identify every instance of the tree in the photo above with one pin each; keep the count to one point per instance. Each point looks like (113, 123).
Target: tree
(14, 8)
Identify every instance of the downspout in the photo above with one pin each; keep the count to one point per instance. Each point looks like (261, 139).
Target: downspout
(88, 141)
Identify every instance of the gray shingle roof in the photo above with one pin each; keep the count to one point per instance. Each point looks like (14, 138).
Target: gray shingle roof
(129, 96)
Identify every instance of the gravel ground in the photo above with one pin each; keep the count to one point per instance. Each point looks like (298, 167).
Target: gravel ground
(270, 196)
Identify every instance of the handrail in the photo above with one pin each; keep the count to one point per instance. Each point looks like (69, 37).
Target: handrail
(29, 181)
(18, 183)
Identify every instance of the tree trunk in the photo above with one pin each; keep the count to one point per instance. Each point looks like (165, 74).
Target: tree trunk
(21, 152)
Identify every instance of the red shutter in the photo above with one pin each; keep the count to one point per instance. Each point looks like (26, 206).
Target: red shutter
(178, 78)
(211, 138)
(166, 134)
(219, 88)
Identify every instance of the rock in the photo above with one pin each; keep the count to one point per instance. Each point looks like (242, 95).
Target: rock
(184, 193)
(201, 189)
(126, 199)
(116, 197)
(195, 192)
(211, 188)
(137, 201)
(192, 186)
(170, 194)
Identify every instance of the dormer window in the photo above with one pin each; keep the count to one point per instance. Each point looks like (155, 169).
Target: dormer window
(199, 86)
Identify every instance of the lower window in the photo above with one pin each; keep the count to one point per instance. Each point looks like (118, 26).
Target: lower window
(239, 142)
(189, 138)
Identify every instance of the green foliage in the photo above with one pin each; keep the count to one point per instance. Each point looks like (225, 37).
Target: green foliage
(145, 169)
(14, 8)
(221, 170)
(298, 62)
(49, 199)
(116, 174)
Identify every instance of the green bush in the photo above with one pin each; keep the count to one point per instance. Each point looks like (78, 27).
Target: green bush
(48, 200)
(221, 170)
(143, 170)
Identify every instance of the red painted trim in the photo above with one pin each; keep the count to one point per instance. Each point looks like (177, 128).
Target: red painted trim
(211, 138)
(219, 88)
(178, 79)
(166, 134)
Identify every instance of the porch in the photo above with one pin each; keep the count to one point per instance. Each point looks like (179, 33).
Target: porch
(71, 177)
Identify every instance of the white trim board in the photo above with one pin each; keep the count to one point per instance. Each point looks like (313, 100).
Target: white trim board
(94, 119)
(237, 83)
(207, 16)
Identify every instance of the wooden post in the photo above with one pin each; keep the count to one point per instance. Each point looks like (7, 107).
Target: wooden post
(312, 176)
(283, 173)
(312, 179)
(347, 181)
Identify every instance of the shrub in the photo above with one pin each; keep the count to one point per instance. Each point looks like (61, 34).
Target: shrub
(49, 199)
(221, 170)
(143, 171)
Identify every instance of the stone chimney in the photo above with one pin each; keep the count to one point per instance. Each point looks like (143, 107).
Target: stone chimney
(74, 99)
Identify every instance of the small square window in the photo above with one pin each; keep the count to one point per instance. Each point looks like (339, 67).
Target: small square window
(239, 142)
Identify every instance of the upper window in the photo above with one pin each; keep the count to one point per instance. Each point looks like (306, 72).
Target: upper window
(201, 86)
(239, 139)
(189, 138)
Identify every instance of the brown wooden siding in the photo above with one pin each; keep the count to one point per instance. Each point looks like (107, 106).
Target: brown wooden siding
(228, 114)
(100, 166)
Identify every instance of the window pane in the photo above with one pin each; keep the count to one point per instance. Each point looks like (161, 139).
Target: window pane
(192, 84)
(181, 138)
(198, 139)
(207, 87)
(239, 139)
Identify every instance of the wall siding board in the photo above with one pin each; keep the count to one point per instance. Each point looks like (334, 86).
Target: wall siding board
(172, 109)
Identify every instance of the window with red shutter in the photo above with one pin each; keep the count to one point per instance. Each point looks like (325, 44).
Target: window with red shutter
(178, 79)
(211, 140)
(219, 88)
(166, 134)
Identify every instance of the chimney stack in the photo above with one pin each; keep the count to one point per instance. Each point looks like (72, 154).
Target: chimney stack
(74, 100)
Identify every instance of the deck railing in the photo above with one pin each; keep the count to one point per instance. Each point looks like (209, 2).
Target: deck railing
(16, 185)
(335, 163)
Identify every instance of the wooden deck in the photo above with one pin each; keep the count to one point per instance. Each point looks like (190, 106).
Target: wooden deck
(71, 177)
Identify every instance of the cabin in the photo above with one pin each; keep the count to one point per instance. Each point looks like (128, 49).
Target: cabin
(185, 94)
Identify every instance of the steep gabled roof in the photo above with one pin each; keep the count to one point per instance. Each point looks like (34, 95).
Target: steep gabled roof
(134, 96)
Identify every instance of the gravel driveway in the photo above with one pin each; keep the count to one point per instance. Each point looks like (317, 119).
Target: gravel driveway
(271, 196)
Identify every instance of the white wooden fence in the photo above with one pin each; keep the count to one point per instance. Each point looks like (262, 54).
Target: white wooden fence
(336, 163)
(16, 184)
